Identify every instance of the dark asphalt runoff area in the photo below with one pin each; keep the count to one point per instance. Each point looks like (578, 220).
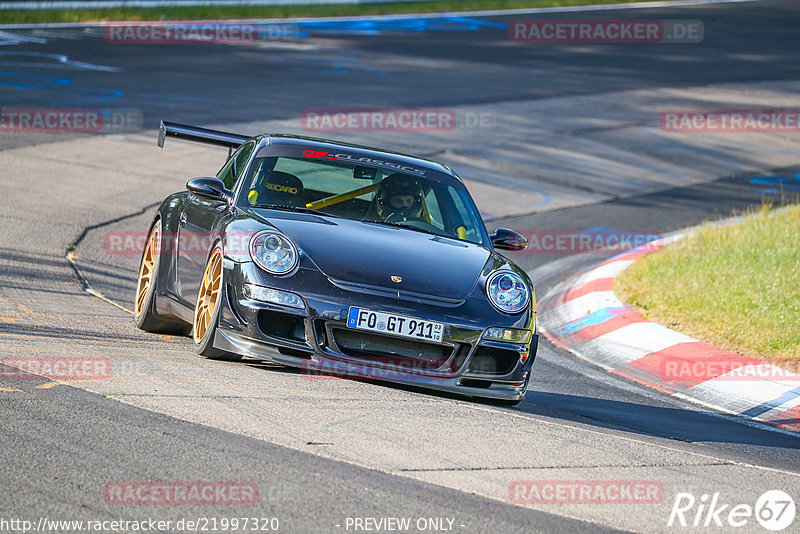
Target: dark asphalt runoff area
(325, 452)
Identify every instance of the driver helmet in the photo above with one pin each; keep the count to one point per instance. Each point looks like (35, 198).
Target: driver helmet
(399, 198)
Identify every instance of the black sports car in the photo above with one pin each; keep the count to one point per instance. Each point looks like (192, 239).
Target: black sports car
(339, 259)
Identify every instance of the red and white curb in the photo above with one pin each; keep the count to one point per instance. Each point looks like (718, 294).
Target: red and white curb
(584, 316)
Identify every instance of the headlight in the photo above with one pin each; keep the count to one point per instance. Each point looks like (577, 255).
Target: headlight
(508, 292)
(273, 252)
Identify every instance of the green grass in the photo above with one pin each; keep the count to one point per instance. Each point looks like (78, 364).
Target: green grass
(257, 12)
(736, 287)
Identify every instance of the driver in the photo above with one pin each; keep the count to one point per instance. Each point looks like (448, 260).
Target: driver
(399, 198)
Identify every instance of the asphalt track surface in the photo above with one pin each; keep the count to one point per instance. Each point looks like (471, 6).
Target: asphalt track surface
(323, 451)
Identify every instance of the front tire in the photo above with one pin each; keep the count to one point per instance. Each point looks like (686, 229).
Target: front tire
(206, 310)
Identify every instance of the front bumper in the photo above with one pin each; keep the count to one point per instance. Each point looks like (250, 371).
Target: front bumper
(317, 340)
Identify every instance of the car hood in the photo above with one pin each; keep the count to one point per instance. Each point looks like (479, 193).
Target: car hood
(369, 255)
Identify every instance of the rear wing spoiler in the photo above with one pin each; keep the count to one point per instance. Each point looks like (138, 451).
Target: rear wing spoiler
(199, 135)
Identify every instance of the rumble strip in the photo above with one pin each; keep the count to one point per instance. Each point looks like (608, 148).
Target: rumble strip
(584, 316)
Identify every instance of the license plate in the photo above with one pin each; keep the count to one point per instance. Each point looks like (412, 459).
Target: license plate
(399, 325)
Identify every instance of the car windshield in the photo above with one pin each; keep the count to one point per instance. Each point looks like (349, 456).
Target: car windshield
(363, 193)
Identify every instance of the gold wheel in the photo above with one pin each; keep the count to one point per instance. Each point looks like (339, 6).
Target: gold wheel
(146, 271)
(208, 295)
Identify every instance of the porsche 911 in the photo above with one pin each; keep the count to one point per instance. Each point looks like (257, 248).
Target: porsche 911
(339, 260)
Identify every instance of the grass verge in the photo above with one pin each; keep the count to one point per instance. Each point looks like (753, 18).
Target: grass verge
(736, 287)
(17, 16)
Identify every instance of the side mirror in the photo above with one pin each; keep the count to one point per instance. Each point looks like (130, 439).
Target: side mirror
(505, 239)
(208, 188)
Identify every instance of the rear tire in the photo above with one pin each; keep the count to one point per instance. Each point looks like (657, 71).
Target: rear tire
(206, 310)
(144, 313)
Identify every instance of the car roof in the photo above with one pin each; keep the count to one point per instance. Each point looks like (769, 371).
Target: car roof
(356, 150)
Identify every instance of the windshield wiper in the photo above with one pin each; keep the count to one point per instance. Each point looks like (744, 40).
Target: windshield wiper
(399, 225)
(298, 209)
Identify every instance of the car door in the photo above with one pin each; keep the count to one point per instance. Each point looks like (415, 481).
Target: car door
(198, 218)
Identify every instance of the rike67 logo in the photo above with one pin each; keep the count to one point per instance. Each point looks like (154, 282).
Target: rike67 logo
(774, 510)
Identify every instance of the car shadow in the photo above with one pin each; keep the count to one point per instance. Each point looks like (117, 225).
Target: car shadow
(686, 425)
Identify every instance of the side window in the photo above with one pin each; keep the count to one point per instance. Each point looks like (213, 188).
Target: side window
(432, 210)
(467, 226)
(234, 167)
(226, 173)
